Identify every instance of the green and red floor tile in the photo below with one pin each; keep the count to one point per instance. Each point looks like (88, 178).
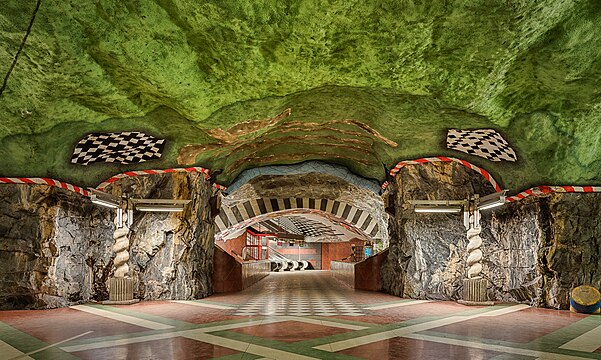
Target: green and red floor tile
(390, 328)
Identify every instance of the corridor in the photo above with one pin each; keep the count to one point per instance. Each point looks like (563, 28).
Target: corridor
(299, 315)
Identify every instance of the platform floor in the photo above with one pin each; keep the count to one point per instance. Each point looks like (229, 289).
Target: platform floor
(300, 315)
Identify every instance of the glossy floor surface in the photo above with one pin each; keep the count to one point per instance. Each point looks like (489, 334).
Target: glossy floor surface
(301, 315)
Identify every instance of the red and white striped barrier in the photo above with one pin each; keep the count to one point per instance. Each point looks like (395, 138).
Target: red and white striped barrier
(111, 180)
(220, 187)
(104, 184)
(480, 171)
(45, 181)
(541, 190)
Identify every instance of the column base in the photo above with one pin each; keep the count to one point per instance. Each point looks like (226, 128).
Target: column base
(121, 292)
(474, 292)
(476, 303)
(120, 302)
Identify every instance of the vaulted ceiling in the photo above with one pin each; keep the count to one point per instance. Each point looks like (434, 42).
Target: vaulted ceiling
(233, 85)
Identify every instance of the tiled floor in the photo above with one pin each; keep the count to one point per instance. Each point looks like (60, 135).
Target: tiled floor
(301, 315)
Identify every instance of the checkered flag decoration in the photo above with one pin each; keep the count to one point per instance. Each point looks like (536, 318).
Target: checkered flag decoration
(123, 147)
(486, 143)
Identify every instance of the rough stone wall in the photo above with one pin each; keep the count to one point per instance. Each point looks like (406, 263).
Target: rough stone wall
(535, 250)
(570, 249)
(171, 254)
(426, 257)
(56, 246)
(53, 247)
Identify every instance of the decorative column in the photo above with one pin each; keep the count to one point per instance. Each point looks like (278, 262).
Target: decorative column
(121, 287)
(474, 258)
(474, 287)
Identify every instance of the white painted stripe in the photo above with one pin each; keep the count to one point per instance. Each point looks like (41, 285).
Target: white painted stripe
(220, 225)
(351, 214)
(239, 325)
(123, 318)
(230, 215)
(362, 218)
(293, 203)
(340, 209)
(243, 212)
(53, 345)
(9, 352)
(246, 347)
(321, 203)
(119, 342)
(255, 206)
(306, 203)
(167, 335)
(281, 204)
(204, 304)
(325, 323)
(329, 206)
(506, 310)
(589, 341)
(493, 347)
(268, 206)
(398, 304)
(367, 339)
(371, 226)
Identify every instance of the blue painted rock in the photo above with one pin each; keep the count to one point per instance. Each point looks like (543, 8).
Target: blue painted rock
(585, 299)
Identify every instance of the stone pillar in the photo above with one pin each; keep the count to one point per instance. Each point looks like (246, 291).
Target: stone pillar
(474, 287)
(121, 287)
(474, 259)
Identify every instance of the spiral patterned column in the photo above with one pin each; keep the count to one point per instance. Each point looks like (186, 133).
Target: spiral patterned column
(474, 259)
(121, 248)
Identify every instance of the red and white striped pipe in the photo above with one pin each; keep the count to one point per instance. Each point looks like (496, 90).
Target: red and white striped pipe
(545, 189)
(46, 181)
(480, 171)
(111, 180)
(219, 187)
(104, 184)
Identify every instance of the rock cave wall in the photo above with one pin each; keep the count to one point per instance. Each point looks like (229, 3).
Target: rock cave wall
(171, 254)
(56, 246)
(535, 250)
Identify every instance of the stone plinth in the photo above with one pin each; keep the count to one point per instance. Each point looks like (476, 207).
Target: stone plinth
(121, 291)
(474, 292)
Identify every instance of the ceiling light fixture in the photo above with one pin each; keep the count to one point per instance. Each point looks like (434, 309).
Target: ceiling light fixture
(437, 206)
(438, 209)
(491, 201)
(104, 199)
(159, 205)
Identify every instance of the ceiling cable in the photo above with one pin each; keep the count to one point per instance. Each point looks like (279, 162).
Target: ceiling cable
(12, 66)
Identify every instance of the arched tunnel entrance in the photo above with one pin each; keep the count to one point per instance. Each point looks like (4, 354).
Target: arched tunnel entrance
(298, 222)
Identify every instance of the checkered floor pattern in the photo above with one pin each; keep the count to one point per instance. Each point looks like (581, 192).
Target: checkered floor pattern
(302, 296)
(312, 303)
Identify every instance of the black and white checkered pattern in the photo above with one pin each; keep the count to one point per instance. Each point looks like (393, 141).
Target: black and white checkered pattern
(306, 294)
(486, 143)
(312, 228)
(123, 147)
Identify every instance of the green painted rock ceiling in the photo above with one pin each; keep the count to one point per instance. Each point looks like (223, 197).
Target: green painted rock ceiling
(233, 84)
